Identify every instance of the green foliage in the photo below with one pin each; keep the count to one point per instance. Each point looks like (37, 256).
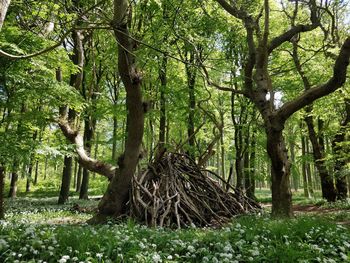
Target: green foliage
(36, 230)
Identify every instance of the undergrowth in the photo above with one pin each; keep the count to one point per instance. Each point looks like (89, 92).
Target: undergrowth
(46, 232)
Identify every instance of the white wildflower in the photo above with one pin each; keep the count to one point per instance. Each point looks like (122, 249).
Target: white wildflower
(191, 249)
(156, 258)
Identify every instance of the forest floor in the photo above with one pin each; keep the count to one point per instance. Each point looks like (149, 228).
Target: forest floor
(38, 230)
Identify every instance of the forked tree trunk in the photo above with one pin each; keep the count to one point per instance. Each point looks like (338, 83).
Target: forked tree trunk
(116, 196)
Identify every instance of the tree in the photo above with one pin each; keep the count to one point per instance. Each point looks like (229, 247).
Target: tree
(113, 201)
(257, 68)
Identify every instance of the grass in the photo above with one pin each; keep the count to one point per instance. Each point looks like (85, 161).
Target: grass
(264, 196)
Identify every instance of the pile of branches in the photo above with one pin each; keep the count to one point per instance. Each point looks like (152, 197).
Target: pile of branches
(175, 192)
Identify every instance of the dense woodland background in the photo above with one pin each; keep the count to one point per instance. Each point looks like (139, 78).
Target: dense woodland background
(254, 91)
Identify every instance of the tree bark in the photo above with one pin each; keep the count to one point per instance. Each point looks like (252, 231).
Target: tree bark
(295, 176)
(246, 171)
(116, 196)
(78, 184)
(191, 72)
(340, 159)
(4, 4)
(303, 168)
(14, 179)
(238, 142)
(2, 186)
(66, 177)
(163, 84)
(114, 138)
(252, 166)
(36, 172)
(308, 169)
(88, 135)
(327, 185)
(280, 174)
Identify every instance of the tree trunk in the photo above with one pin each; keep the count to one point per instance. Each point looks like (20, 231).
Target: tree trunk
(96, 146)
(222, 146)
(116, 196)
(28, 181)
(327, 185)
(36, 173)
(280, 174)
(340, 160)
(14, 179)
(75, 173)
(229, 178)
(66, 177)
(78, 184)
(84, 187)
(114, 138)
(88, 135)
(191, 72)
(2, 186)
(295, 176)
(252, 171)
(45, 167)
(162, 121)
(31, 164)
(303, 168)
(308, 169)
(238, 140)
(4, 4)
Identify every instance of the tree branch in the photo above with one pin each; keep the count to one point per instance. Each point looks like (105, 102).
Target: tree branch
(231, 9)
(289, 34)
(335, 82)
(11, 56)
(211, 83)
(84, 159)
